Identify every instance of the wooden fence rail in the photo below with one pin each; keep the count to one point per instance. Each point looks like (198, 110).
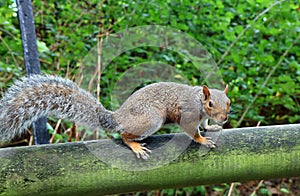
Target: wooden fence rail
(108, 167)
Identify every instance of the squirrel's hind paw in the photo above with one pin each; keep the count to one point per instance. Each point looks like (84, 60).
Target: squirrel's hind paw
(143, 153)
(139, 150)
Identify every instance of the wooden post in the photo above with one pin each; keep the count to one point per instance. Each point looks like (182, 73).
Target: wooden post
(84, 168)
(31, 60)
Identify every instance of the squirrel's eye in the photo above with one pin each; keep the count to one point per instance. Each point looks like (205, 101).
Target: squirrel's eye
(211, 104)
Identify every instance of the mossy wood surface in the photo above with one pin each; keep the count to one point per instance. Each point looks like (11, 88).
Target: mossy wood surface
(107, 166)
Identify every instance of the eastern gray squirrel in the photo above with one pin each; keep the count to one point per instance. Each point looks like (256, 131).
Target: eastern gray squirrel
(141, 115)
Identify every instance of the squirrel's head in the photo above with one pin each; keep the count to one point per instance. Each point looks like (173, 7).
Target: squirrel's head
(216, 104)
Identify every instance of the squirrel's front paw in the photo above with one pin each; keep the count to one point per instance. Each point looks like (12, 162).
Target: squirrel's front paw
(139, 150)
(213, 128)
(208, 142)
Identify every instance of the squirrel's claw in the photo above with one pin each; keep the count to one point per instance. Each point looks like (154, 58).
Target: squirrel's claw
(139, 150)
(208, 142)
(143, 153)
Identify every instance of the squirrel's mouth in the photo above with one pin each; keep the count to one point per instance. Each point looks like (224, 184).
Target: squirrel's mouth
(220, 122)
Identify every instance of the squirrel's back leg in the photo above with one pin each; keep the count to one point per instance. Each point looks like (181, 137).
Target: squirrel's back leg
(139, 127)
(139, 149)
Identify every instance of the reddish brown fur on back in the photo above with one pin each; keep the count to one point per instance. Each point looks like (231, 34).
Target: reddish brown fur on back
(173, 114)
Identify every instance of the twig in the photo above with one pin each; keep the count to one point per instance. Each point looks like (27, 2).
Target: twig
(30, 143)
(258, 124)
(77, 136)
(55, 131)
(267, 79)
(244, 31)
(13, 143)
(90, 87)
(231, 189)
(99, 53)
(80, 75)
(6, 79)
(72, 132)
(45, 61)
(99, 67)
(256, 188)
(84, 136)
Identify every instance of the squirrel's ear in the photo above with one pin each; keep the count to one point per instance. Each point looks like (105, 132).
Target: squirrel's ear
(226, 89)
(206, 92)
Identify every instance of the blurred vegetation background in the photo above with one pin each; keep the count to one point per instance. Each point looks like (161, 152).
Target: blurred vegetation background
(255, 45)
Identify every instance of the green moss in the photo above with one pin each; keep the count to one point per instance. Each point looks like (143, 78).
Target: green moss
(76, 168)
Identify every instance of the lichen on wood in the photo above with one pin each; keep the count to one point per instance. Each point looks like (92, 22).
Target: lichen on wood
(107, 166)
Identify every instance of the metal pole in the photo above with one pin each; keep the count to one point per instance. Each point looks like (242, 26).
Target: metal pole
(31, 60)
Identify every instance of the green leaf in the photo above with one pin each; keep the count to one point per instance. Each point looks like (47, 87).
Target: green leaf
(264, 191)
(42, 47)
(49, 128)
(284, 190)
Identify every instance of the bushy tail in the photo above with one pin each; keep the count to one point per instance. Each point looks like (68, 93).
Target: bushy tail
(36, 96)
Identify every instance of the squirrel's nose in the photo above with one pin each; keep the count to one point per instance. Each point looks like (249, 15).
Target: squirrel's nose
(224, 118)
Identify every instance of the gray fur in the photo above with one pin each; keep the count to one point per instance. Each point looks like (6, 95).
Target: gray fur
(30, 98)
(141, 115)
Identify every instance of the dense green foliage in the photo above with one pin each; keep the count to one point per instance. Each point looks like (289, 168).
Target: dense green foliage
(254, 43)
(68, 30)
